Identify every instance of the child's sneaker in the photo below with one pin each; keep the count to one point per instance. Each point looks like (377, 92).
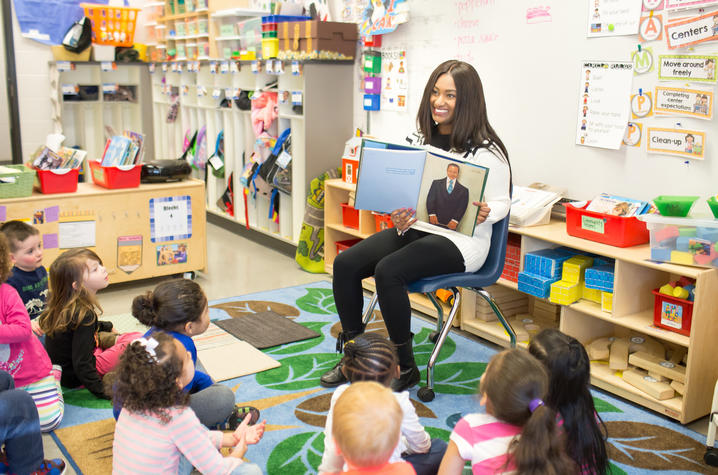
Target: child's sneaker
(238, 415)
(50, 467)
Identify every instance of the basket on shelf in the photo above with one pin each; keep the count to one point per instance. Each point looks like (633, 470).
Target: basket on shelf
(17, 183)
(111, 25)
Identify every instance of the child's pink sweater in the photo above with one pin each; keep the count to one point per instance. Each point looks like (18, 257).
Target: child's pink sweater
(21, 353)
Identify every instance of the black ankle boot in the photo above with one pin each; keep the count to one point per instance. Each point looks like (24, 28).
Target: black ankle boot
(410, 374)
(335, 377)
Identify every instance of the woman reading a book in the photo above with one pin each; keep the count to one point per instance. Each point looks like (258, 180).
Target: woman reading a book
(452, 117)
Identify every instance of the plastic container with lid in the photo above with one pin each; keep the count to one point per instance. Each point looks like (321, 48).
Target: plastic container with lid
(686, 241)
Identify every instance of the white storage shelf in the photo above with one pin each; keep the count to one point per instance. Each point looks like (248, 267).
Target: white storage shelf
(318, 133)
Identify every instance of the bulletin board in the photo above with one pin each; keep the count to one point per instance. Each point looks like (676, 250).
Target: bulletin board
(528, 54)
(118, 225)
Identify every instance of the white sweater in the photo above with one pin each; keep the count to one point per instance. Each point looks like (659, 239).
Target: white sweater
(414, 439)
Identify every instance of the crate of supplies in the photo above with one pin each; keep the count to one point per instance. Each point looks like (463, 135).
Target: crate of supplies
(672, 313)
(382, 221)
(314, 39)
(123, 176)
(58, 180)
(346, 244)
(16, 181)
(605, 228)
(111, 25)
(685, 241)
(350, 216)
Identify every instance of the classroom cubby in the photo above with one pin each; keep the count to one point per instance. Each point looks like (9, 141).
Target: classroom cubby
(633, 306)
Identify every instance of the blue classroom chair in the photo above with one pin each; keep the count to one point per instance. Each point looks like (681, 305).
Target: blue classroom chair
(487, 275)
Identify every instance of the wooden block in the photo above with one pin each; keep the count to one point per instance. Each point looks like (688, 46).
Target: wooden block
(678, 355)
(654, 364)
(599, 349)
(641, 380)
(647, 344)
(679, 387)
(618, 354)
(518, 326)
(658, 377)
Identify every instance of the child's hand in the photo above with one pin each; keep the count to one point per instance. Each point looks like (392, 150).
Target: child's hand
(36, 328)
(251, 434)
(241, 448)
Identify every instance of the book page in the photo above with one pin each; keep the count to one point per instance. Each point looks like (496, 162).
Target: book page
(389, 179)
(453, 210)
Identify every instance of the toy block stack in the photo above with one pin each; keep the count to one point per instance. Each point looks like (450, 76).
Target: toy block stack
(570, 288)
(600, 279)
(544, 311)
(541, 269)
(512, 262)
(511, 302)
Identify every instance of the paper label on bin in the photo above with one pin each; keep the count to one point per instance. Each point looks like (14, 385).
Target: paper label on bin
(589, 223)
(283, 159)
(216, 162)
(671, 315)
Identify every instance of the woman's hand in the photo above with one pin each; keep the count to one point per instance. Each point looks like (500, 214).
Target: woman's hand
(403, 218)
(484, 211)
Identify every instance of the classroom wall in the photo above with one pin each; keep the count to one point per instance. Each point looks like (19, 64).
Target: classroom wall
(530, 74)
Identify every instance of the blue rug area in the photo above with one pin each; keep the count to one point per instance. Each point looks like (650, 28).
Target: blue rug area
(295, 406)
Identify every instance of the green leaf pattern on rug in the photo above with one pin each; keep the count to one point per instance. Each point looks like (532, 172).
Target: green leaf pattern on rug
(300, 346)
(300, 453)
(298, 372)
(603, 406)
(84, 398)
(319, 301)
(437, 433)
(423, 347)
(456, 378)
(614, 469)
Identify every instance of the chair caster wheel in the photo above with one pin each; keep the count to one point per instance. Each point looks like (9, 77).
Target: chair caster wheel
(189, 275)
(426, 394)
(710, 457)
(433, 336)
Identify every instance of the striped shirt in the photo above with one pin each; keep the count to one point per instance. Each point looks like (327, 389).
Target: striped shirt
(485, 441)
(143, 445)
(47, 395)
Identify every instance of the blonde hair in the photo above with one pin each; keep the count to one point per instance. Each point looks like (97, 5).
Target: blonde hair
(366, 424)
(68, 304)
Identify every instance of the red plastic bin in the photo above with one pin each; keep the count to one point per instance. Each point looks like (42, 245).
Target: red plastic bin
(672, 313)
(115, 177)
(344, 245)
(382, 221)
(63, 180)
(605, 228)
(350, 216)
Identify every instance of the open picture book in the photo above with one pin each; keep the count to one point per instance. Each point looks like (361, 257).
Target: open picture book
(441, 188)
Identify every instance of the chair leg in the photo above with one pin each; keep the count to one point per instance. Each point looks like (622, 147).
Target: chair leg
(369, 310)
(427, 393)
(439, 316)
(504, 323)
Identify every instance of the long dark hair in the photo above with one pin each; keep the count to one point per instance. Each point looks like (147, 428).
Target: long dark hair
(513, 382)
(569, 370)
(171, 305)
(370, 357)
(471, 128)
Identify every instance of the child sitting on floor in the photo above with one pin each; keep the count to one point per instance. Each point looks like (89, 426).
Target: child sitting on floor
(74, 338)
(366, 429)
(569, 370)
(518, 433)
(22, 355)
(157, 432)
(371, 357)
(179, 307)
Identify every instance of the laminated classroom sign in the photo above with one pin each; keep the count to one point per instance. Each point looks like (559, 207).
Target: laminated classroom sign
(602, 113)
(642, 61)
(692, 31)
(684, 102)
(613, 17)
(650, 28)
(681, 142)
(168, 254)
(642, 105)
(673, 5)
(634, 132)
(651, 5)
(394, 80)
(380, 19)
(170, 218)
(690, 67)
(129, 253)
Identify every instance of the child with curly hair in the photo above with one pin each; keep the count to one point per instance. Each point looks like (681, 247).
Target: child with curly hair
(157, 432)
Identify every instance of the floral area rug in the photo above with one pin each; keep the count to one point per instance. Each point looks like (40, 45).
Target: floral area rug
(295, 405)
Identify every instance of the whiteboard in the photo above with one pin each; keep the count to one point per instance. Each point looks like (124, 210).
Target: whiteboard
(531, 79)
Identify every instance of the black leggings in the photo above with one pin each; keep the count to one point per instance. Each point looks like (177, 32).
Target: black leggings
(395, 262)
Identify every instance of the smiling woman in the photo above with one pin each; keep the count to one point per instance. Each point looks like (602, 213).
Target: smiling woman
(452, 116)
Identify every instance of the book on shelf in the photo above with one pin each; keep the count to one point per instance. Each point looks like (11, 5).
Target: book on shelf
(123, 150)
(438, 185)
(618, 205)
(46, 159)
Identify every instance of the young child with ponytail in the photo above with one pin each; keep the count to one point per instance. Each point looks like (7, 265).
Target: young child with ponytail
(518, 433)
(371, 357)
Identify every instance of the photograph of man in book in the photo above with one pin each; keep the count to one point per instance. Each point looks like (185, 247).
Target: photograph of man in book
(448, 199)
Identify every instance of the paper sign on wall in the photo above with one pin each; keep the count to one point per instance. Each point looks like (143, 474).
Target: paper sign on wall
(650, 28)
(684, 102)
(602, 108)
(680, 142)
(613, 17)
(129, 253)
(76, 234)
(685, 4)
(634, 131)
(394, 80)
(681, 67)
(642, 105)
(170, 218)
(692, 31)
(172, 254)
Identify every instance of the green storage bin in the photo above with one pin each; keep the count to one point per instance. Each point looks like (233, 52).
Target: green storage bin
(18, 183)
(713, 204)
(674, 205)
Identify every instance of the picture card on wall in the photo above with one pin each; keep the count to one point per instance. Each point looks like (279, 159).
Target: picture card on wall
(678, 101)
(691, 31)
(170, 218)
(613, 17)
(681, 142)
(688, 67)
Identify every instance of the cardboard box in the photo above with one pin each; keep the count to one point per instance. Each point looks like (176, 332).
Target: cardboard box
(313, 39)
(59, 53)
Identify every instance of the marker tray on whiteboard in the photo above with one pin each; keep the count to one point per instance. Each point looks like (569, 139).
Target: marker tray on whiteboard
(116, 177)
(605, 228)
